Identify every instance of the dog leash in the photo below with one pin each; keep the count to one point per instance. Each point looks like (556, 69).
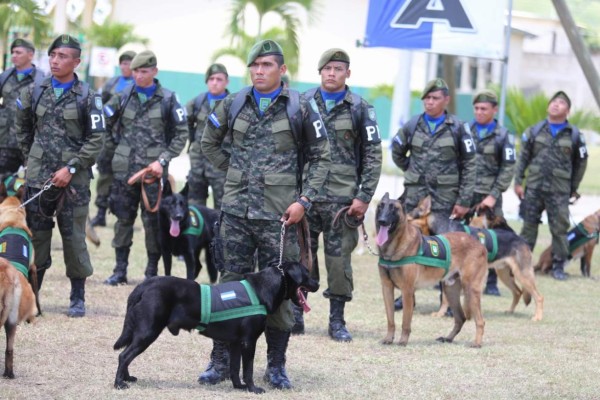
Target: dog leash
(145, 177)
(46, 187)
(353, 223)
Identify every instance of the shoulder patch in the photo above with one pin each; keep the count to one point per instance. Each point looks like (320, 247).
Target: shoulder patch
(371, 113)
(313, 105)
(98, 102)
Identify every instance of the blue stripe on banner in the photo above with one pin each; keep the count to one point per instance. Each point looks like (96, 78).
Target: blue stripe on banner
(214, 120)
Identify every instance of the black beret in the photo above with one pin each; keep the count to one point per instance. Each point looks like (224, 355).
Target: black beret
(562, 95)
(434, 85)
(22, 43)
(127, 56)
(64, 41)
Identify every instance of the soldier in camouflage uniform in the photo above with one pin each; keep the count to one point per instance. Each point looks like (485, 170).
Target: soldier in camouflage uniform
(12, 81)
(146, 127)
(437, 154)
(495, 163)
(352, 180)
(60, 129)
(114, 85)
(263, 185)
(202, 173)
(553, 157)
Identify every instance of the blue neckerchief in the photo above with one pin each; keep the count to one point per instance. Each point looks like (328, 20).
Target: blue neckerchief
(145, 93)
(61, 88)
(212, 98)
(484, 130)
(434, 123)
(555, 128)
(263, 100)
(332, 98)
(122, 83)
(23, 73)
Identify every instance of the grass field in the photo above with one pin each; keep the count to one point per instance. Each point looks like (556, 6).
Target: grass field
(557, 358)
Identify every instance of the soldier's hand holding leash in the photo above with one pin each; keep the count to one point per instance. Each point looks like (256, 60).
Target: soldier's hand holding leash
(156, 169)
(459, 212)
(358, 208)
(62, 177)
(295, 212)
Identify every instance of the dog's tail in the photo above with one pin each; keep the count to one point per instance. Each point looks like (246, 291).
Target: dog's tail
(128, 324)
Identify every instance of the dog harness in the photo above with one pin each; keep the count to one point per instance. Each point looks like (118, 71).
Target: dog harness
(486, 237)
(16, 247)
(434, 251)
(230, 300)
(578, 236)
(196, 222)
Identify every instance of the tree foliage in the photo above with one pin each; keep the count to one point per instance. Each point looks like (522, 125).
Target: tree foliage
(114, 34)
(24, 14)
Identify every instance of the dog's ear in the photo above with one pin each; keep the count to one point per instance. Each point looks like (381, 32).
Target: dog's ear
(386, 197)
(184, 191)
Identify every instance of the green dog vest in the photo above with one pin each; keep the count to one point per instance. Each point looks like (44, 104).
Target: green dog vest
(227, 301)
(433, 252)
(486, 237)
(578, 236)
(196, 222)
(16, 247)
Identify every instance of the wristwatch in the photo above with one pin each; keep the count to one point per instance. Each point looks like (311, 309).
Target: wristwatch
(72, 169)
(306, 204)
(163, 163)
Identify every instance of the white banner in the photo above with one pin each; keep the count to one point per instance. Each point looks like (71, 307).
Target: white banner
(103, 61)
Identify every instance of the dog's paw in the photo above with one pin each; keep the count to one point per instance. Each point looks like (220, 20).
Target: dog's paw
(444, 339)
(387, 340)
(475, 346)
(256, 390)
(121, 385)
(130, 378)
(9, 375)
(402, 344)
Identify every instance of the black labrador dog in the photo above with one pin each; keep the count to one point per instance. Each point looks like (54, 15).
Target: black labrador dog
(177, 303)
(185, 231)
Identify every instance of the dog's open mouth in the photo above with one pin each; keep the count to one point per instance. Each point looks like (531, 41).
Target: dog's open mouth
(382, 235)
(302, 300)
(174, 230)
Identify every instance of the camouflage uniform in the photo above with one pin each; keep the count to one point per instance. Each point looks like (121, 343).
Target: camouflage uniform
(139, 140)
(495, 166)
(351, 175)
(51, 137)
(202, 173)
(554, 167)
(442, 164)
(262, 181)
(11, 157)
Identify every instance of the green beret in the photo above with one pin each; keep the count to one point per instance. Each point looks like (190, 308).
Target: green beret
(145, 59)
(433, 85)
(64, 41)
(562, 95)
(215, 69)
(486, 96)
(333, 55)
(264, 48)
(22, 43)
(127, 56)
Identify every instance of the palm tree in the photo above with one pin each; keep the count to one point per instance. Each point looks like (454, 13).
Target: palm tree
(26, 15)
(286, 35)
(114, 34)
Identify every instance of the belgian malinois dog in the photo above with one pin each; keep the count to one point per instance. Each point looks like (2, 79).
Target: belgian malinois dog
(397, 239)
(513, 258)
(582, 240)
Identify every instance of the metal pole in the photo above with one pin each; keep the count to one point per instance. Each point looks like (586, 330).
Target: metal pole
(502, 107)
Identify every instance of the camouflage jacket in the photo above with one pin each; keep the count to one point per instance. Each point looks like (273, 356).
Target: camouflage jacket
(141, 135)
(495, 161)
(553, 164)
(197, 122)
(442, 161)
(110, 88)
(355, 152)
(8, 106)
(263, 164)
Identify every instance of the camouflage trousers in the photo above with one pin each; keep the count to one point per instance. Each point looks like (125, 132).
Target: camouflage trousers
(10, 161)
(124, 201)
(557, 209)
(203, 175)
(339, 242)
(71, 216)
(104, 180)
(478, 198)
(241, 238)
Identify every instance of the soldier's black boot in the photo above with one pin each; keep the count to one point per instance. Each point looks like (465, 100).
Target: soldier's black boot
(100, 218)
(152, 266)
(119, 276)
(337, 325)
(558, 269)
(77, 305)
(398, 305)
(217, 369)
(491, 286)
(275, 374)
(298, 328)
